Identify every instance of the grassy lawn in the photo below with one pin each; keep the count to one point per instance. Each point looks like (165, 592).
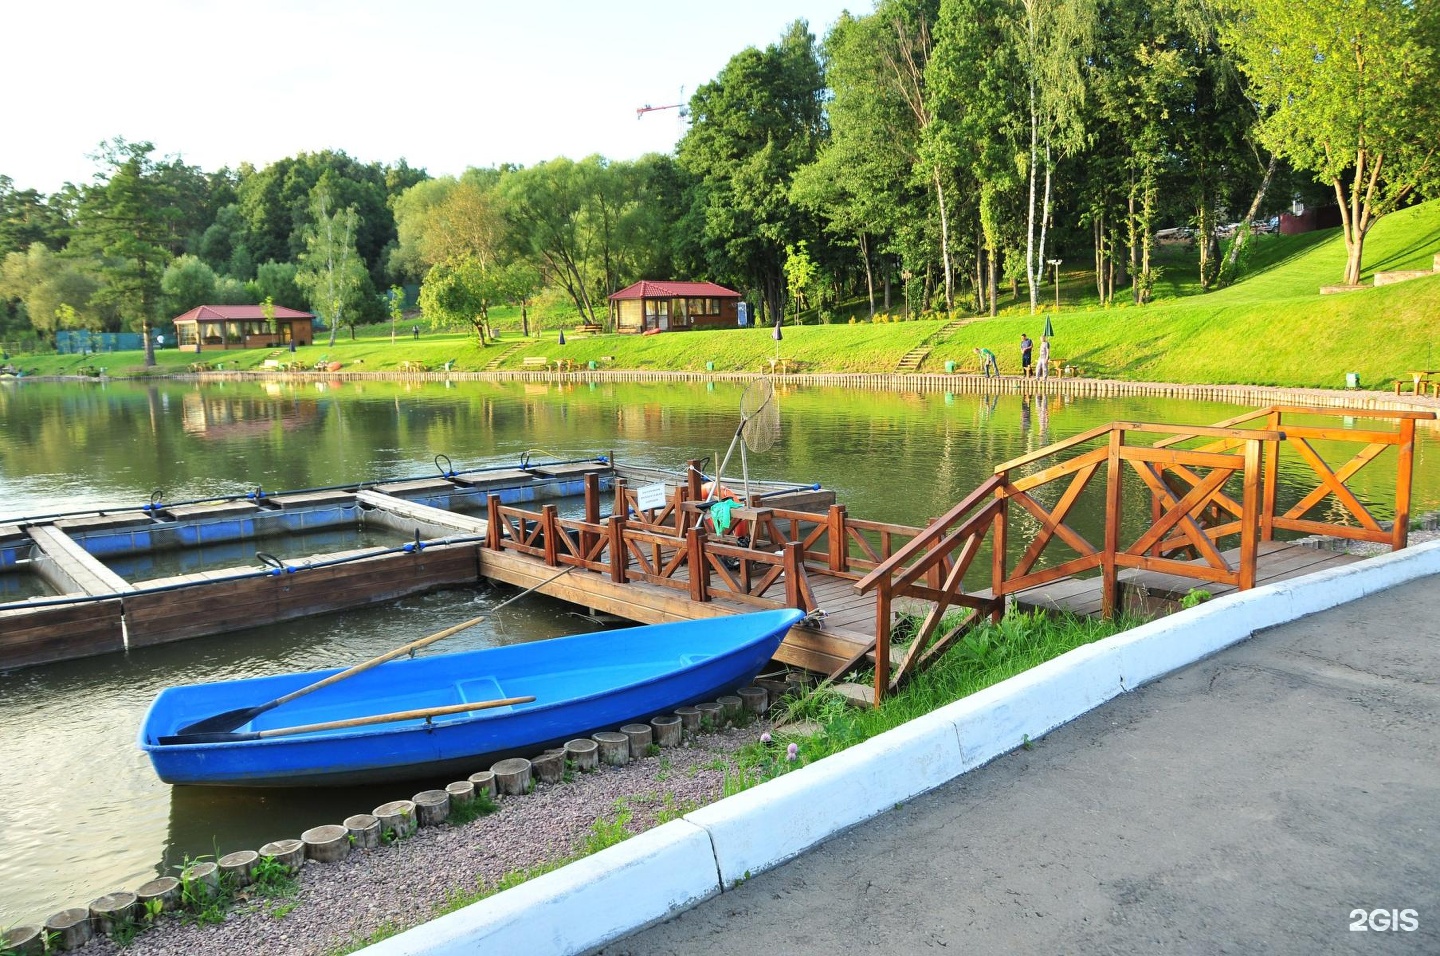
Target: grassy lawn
(1271, 328)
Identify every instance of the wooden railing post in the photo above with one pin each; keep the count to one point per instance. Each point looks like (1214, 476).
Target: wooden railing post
(548, 516)
(1110, 579)
(998, 544)
(619, 556)
(839, 542)
(1404, 467)
(794, 569)
(1252, 514)
(494, 540)
(699, 567)
(882, 640)
(592, 513)
(677, 508)
(620, 507)
(1271, 465)
(692, 479)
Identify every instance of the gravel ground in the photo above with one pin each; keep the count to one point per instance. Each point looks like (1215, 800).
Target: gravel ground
(401, 885)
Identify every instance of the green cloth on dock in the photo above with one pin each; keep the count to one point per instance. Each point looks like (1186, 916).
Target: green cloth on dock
(720, 515)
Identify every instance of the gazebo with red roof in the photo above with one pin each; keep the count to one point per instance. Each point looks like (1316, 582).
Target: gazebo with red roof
(671, 306)
(219, 327)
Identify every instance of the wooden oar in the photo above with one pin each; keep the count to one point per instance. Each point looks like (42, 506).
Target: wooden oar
(231, 719)
(221, 738)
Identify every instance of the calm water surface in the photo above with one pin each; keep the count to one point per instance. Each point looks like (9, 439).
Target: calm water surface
(87, 815)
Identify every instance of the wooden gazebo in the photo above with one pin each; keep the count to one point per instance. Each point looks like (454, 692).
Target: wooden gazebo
(672, 306)
(208, 328)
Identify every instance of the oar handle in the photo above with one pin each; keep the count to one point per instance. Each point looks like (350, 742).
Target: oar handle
(398, 715)
(374, 662)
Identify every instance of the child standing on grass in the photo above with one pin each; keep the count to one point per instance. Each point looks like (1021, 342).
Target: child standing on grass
(1042, 368)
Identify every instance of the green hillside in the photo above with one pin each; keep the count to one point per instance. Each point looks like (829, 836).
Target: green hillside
(1271, 328)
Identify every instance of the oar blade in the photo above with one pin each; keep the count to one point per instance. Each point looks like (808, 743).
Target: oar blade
(221, 723)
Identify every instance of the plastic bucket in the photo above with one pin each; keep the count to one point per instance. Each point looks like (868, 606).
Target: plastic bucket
(1352, 379)
(950, 368)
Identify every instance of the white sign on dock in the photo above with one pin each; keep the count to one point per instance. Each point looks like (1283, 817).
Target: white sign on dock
(649, 497)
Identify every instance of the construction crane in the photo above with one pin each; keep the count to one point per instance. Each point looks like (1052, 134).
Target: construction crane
(647, 108)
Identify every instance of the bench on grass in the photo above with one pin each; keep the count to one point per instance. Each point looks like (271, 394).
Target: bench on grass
(589, 328)
(535, 361)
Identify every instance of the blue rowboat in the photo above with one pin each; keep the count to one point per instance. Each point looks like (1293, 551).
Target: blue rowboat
(580, 685)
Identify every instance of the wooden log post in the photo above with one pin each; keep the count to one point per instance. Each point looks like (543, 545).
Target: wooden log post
(462, 793)
(614, 748)
(23, 941)
(484, 781)
(731, 706)
(113, 911)
(201, 881)
(755, 700)
(710, 716)
(397, 820)
(689, 719)
(288, 853)
(328, 843)
(166, 889)
(549, 767)
(69, 929)
(365, 829)
(585, 754)
(667, 730)
(237, 869)
(431, 807)
(512, 776)
(621, 506)
(641, 736)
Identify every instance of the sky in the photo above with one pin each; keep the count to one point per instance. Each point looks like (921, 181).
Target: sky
(445, 85)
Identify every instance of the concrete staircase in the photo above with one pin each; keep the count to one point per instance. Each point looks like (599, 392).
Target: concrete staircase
(912, 360)
(499, 360)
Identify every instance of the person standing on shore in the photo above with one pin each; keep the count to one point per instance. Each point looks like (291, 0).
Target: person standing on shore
(1025, 346)
(1042, 368)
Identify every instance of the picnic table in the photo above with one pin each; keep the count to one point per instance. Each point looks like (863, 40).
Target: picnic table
(1420, 381)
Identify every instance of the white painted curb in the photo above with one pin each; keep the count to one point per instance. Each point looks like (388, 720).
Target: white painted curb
(673, 867)
(577, 907)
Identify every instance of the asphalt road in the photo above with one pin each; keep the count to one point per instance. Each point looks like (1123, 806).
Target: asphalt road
(1268, 800)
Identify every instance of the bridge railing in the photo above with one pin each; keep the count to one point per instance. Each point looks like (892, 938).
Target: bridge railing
(1348, 517)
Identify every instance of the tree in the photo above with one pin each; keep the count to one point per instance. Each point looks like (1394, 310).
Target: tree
(43, 282)
(128, 219)
(276, 281)
(26, 218)
(460, 291)
(800, 275)
(519, 283)
(187, 282)
(1348, 92)
(330, 269)
(751, 129)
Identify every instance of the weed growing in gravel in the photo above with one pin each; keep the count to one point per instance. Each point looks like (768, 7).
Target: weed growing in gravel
(282, 910)
(663, 773)
(606, 833)
(673, 810)
(463, 813)
(386, 930)
(652, 750)
(273, 879)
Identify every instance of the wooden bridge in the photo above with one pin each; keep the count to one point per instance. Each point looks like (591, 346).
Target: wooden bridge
(1185, 507)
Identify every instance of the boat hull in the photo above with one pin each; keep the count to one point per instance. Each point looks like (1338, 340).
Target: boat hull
(582, 684)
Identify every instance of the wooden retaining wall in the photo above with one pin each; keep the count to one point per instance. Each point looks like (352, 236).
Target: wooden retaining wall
(30, 636)
(198, 609)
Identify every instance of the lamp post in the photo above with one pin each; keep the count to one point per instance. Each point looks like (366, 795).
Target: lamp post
(906, 275)
(1056, 264)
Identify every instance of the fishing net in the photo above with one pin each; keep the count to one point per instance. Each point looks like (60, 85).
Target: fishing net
(760, 415)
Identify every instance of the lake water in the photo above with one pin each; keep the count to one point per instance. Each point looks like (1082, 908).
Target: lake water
(85, 813)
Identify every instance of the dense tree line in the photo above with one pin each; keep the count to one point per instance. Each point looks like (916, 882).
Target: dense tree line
(958, 150)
